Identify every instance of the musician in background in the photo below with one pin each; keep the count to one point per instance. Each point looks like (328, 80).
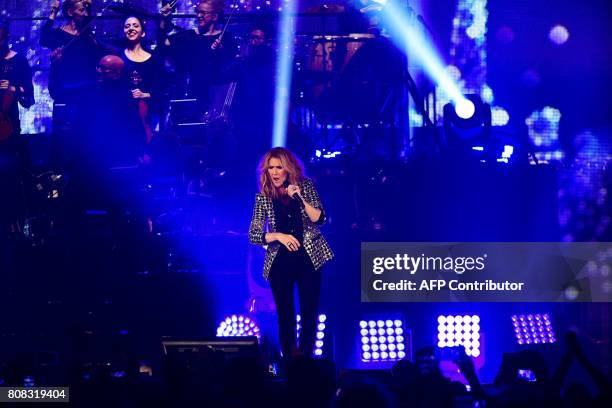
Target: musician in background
(15, 88)
(110, 126)
(144, 70)
(74, 49)
(200, 55)
(108, 174)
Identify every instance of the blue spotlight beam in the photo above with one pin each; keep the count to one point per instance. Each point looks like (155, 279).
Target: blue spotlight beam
(406, 35)
(284, 64)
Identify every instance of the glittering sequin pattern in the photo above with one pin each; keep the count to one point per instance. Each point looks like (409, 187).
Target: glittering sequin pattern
(263, 221)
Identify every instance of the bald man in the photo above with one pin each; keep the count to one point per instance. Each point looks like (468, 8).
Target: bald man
(110, 68)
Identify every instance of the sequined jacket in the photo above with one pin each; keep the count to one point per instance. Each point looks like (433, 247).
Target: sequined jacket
(315, 245)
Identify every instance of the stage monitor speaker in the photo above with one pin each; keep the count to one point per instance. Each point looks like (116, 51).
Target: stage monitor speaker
(195, 370)
(230, 346)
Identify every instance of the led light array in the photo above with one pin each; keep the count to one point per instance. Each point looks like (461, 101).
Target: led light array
(533, 329)
(382, 340)
(320, 336)
(238, 326)
(460, 331)
(543, 128)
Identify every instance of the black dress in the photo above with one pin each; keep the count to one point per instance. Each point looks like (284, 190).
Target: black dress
(148, 76)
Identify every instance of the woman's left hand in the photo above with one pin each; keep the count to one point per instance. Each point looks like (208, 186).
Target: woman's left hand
(293, 189)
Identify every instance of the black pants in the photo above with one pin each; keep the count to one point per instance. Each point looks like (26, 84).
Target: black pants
(289, 270)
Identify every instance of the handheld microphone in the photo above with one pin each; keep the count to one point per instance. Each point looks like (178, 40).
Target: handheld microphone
(296, 197)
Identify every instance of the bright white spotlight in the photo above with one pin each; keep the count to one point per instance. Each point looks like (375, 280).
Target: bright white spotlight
(465, 109)
(558, 35)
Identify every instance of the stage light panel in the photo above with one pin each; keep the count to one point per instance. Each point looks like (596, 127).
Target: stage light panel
(533, 329)
(543, 127)
(320, 333)
(461, 330)
(499, 116)
(237, 325)
(383, 342)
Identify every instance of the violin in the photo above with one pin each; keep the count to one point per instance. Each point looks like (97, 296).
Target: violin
(143, 106)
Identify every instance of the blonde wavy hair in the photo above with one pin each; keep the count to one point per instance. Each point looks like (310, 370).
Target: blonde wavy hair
(290, 163)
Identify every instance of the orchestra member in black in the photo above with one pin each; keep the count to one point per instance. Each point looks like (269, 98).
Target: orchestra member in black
(286, 217)
(200, 56)
(144, 70)
(109, 173)
(74, 49)
(113, 135)
(15, 85)
(16, 88)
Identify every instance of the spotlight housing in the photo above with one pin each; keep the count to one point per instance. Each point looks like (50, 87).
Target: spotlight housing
(467, 129)
(468, 113)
